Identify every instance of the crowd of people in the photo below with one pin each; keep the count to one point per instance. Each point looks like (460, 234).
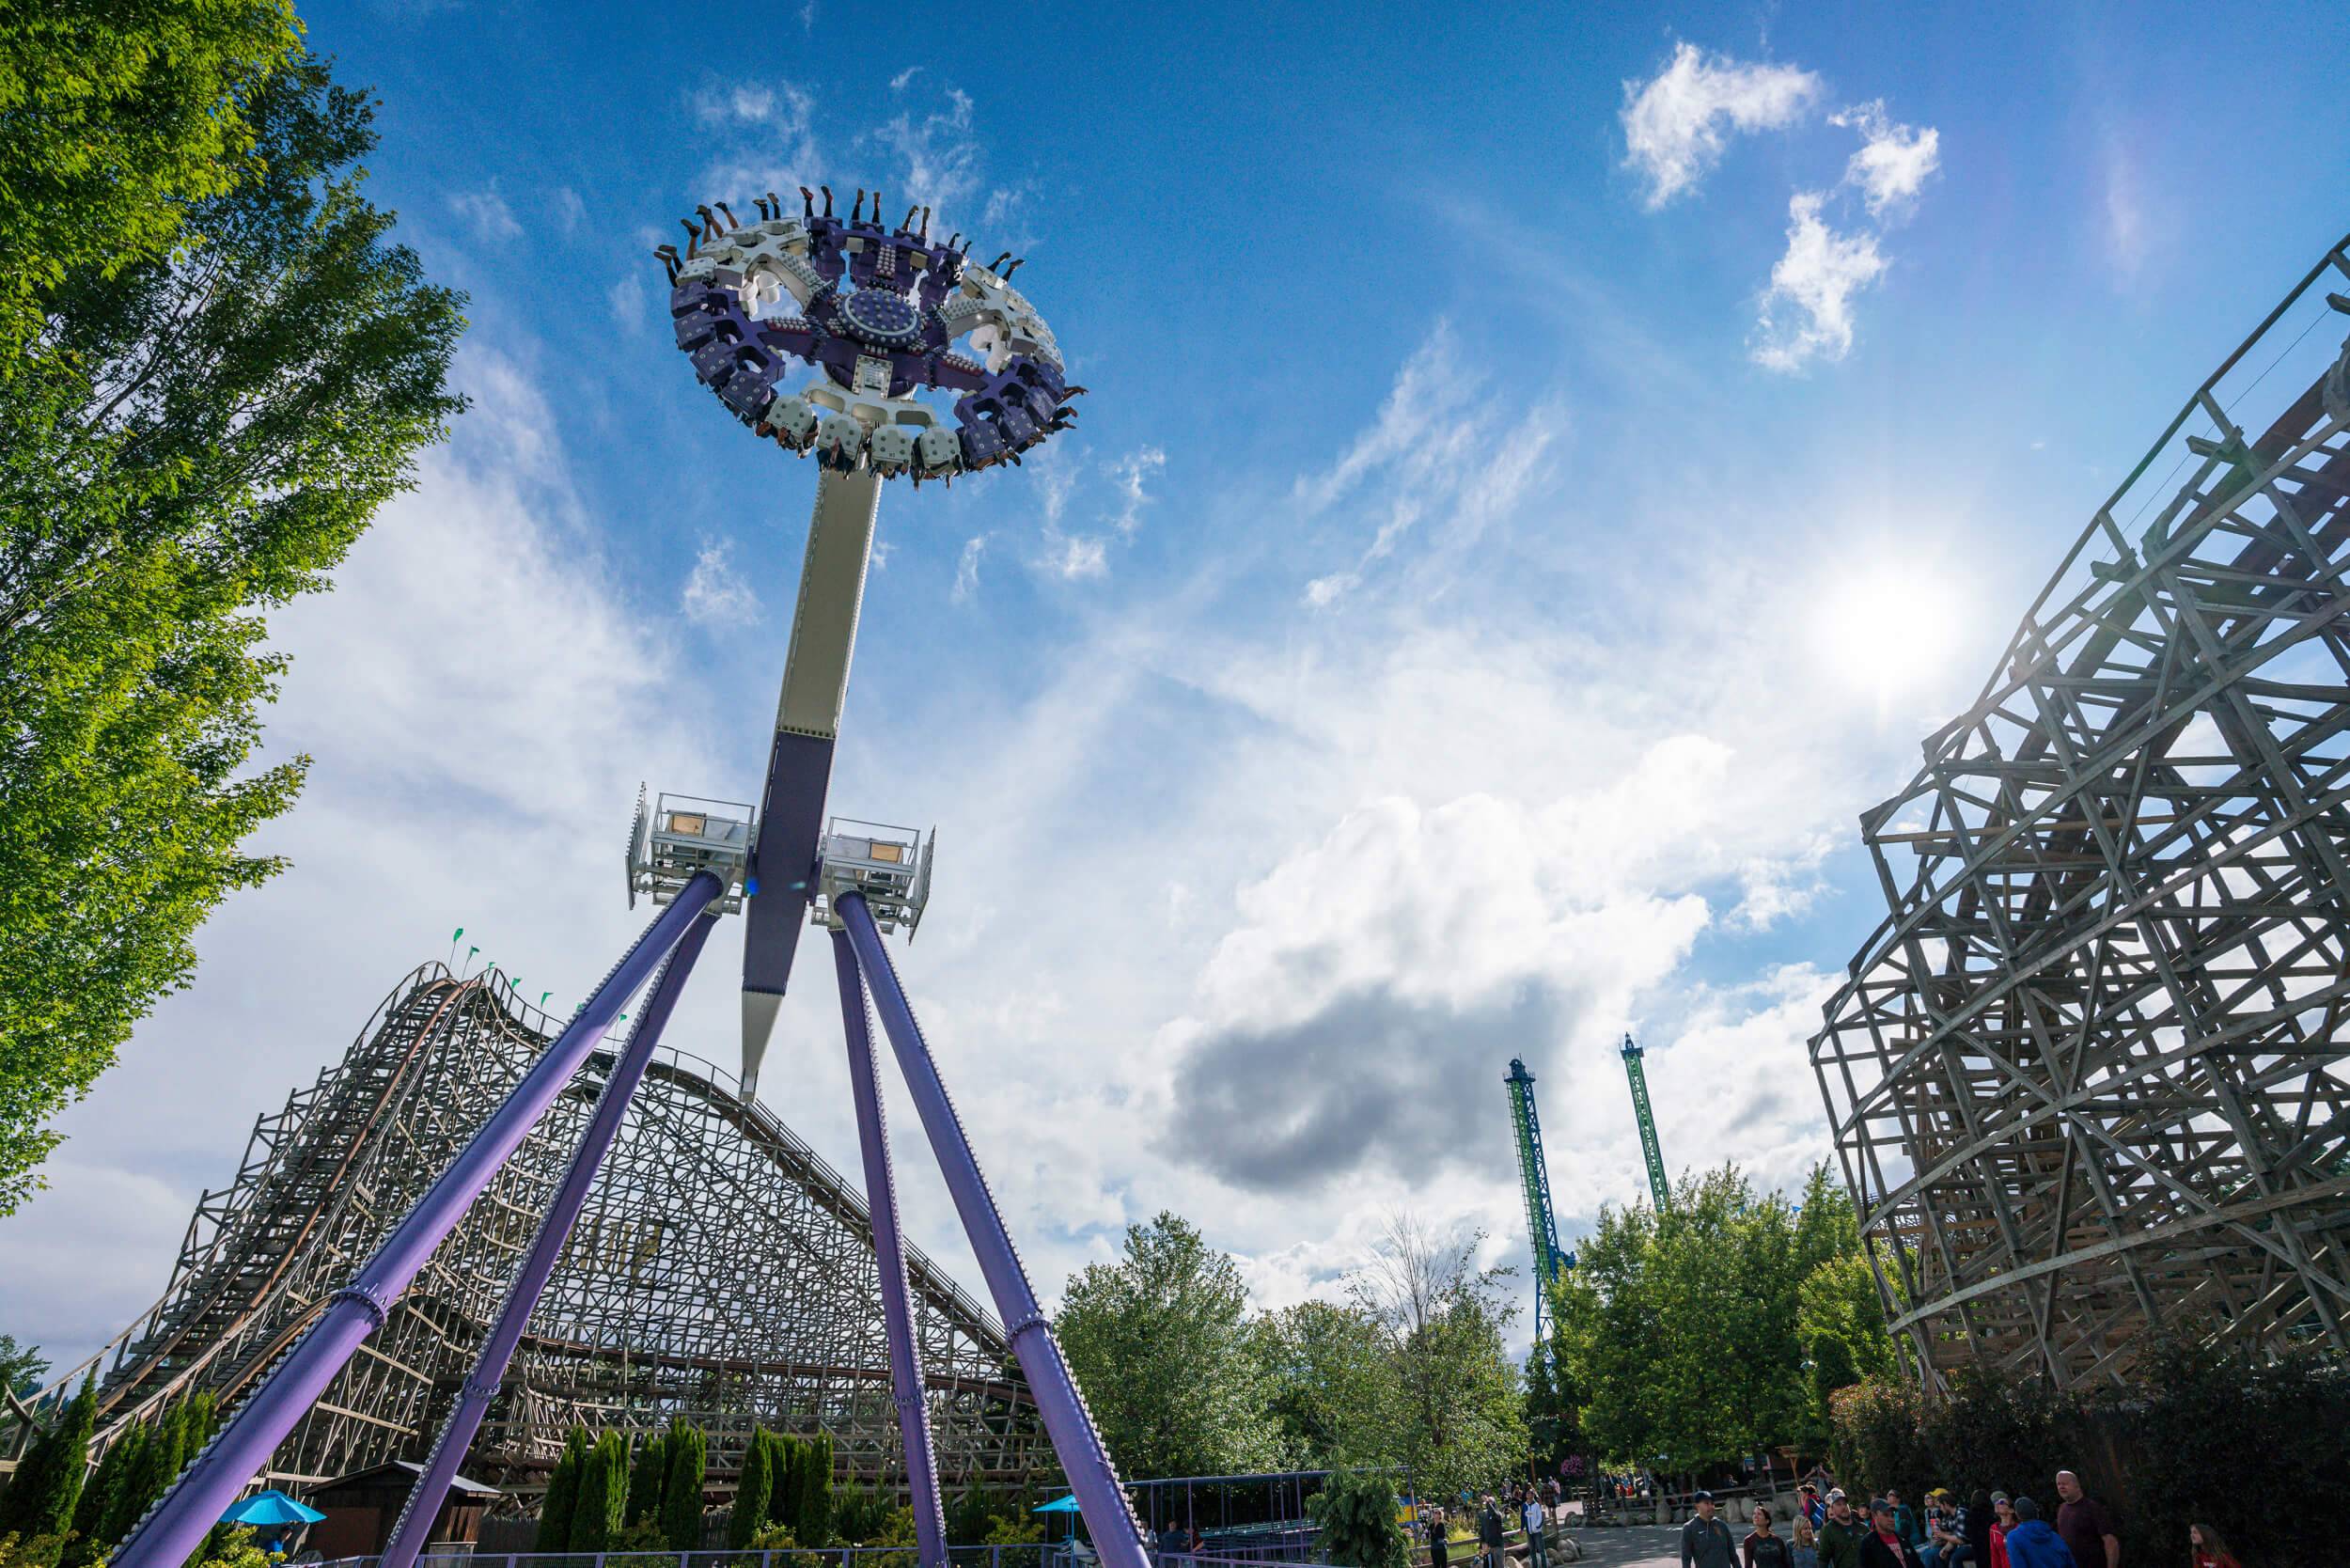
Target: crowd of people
(1832, 1530)
(1989, 1529)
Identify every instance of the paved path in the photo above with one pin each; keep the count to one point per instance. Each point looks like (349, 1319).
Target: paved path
(1630, 1546)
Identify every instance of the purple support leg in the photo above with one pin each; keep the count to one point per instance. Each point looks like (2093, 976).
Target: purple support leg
(175, 1525)
(481, 1384)
(1091, 1477)
(880, 1199)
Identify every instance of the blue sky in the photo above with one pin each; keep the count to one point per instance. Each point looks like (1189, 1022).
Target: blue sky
(1544, 472)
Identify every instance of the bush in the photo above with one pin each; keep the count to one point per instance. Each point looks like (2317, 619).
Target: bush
(1357, 1512)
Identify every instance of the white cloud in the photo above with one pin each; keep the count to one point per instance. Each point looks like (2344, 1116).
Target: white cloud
(715, 593)
(764, 140)
(1070, 557)
(899, 82)
(968, 569)
(1676, 124)
(569, 210)
(1894, 160)
(1130, 475)
(939, 157)
(1443, 447)
(629, 302)
(485, 209)
(1807, 312)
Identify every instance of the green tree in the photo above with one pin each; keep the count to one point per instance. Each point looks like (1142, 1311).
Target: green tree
(1841, 1319)
(1461, 1413)
(47, 1482)
(119, 114)
(603, 1505)
(646, 1481)
(752, 1490)
(21, 1367)
(1360, 1520)
(200, 439)
(1161, 1342)
(681, 1488)
(1330, 1394)
(102, 1503)
(561, 1503)
(813, 1511)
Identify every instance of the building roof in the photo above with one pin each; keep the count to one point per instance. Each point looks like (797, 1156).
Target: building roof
(401, 1471)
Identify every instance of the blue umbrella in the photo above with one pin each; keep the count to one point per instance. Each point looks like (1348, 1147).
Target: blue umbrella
(1059, 1505)
(270, 1508)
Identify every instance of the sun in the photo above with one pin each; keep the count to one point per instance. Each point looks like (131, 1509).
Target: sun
(1888, 628)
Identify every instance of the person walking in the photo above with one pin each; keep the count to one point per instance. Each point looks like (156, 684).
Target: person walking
(2002, 1520)
(1537, 1542)
(1905, 1520)
(2032, 1542)
(1761, 1548)
(1882, 1546)
(2210, 1551)
(1805, 1549)
(1439, 1549)
(1705, 1540)
(2085, 1526)
(1839, 1537)
(1491, 1535)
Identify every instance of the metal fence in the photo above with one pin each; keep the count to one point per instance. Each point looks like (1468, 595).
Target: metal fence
(1294, 1546)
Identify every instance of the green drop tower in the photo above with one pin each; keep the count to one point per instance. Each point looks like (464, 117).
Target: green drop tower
(1542, 1230)
(1657, 1185)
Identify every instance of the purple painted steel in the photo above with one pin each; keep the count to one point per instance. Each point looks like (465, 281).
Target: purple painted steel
(881, 1201)
(175, 1525)
(1100, 1496)
(481, 1384)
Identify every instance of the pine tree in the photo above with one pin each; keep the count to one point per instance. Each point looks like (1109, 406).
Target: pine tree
(752, 1490)
(563, 1499)
(646, 1481)
(681, 1491)
(783, 1486)
(603, 1496)
(815, 1481)
(98, 1504)
(47, 1484)
(123, 1502)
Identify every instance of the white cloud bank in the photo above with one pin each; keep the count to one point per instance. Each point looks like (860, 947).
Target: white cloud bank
(1806, 314)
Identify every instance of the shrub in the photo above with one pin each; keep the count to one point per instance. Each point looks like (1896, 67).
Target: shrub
(1357, 1512)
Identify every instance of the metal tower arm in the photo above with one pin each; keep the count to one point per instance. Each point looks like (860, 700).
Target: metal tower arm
(1541, 1227)
(1658, 1187)
(799, 765)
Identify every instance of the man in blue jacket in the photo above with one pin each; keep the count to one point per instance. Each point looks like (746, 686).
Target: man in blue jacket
(2032, 1543)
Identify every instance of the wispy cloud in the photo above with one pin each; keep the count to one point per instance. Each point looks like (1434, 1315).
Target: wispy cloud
(486, 211)
(1894, 160)
(937, 153)
(1806, 314)
(904, 78)
(1131, 474)
(1677, 123)
(570, 211)
(628, 302)
(764, 136)
(1443, 447)
(715, 593)
(1071, 557)
(968, 569)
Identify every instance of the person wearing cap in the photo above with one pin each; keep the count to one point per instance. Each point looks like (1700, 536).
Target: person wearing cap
(1882, 1546)
(1705, 1540)
(2032, 1543)
(1905, 1520)
(1839, 1535)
